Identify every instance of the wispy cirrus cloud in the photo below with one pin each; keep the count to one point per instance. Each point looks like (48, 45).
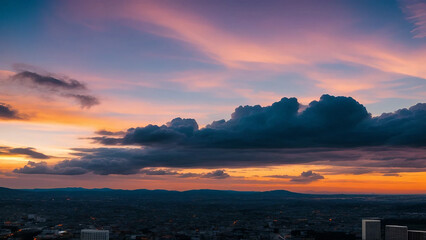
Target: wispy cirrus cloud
(277, 47)
(324, 37)
(416, 13)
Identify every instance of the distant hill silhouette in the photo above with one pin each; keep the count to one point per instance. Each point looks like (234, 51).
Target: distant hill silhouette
(4, 190)
(190, 195)
(147, 194)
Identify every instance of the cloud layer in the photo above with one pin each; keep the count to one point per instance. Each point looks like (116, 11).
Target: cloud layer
(333, 130)
(330, 122)
(42, 168)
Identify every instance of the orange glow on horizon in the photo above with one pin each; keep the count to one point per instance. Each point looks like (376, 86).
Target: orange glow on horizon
(241, 180)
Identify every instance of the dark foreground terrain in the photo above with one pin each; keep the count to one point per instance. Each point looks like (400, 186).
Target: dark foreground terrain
(199, 214)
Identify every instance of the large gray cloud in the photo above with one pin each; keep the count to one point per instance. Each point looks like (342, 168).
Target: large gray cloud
(329, 122)
(125, 161)
(46, 83)
(332, 131)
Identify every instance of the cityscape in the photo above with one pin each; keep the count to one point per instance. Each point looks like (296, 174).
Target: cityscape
(100, 214)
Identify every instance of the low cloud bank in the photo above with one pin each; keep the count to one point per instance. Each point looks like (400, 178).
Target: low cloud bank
(332, 131)
(329, 122)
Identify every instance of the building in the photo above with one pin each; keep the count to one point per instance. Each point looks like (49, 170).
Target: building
(93, 234)
(416, 235)
(394, 232)
(371, 229)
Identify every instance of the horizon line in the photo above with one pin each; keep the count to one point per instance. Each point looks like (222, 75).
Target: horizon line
(224, 190)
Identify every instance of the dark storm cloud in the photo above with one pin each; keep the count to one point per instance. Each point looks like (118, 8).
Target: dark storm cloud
(7, 113)
(304, 177)
(329, 122)
(30, 152)
(51, 84)
(105, 161)
(332, 131)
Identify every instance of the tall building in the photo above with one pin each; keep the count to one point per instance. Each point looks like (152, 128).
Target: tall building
(371, 229)
(416, 235)
(93, 234)
(394, 232)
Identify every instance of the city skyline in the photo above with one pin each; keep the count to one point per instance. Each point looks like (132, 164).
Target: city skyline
(304, 96)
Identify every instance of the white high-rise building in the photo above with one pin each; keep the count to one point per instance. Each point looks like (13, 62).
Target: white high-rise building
(394, 232)
(416, 235)
(93, 234)
(371, 229)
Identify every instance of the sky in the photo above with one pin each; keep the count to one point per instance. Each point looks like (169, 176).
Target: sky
(306, 96)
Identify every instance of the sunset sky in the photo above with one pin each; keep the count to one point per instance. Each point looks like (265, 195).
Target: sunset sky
(306, 96)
